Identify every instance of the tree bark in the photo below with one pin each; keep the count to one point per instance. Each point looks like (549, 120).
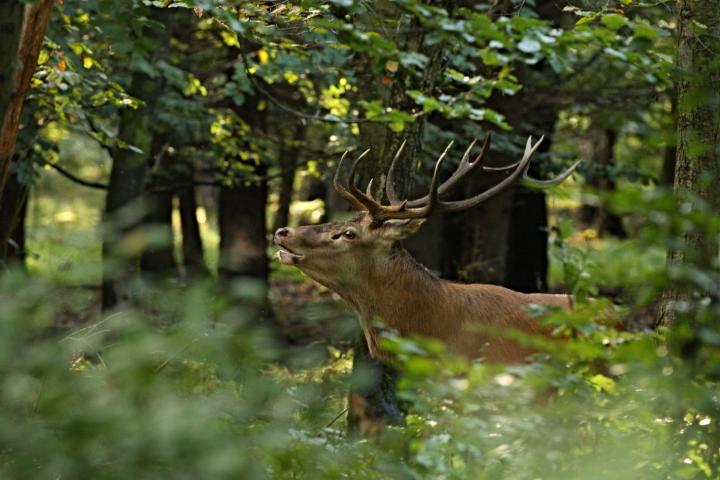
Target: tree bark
(12, 222)
(12, 14)
(698, 146)
(504, 241)
(158, 259)
(243, 227)
(192, 246)
(374, 403)
(22, 29)
(667, 172)
(603, 159)
(123, 208)
(243, 231)
(288, 159)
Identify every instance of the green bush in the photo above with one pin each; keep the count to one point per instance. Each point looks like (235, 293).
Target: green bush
(184, 385)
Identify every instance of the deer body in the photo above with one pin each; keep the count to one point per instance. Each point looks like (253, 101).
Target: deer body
(382, 282)
(361, 261)
(412, 301)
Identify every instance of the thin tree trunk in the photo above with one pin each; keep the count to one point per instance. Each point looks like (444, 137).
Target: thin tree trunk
(192, 246)
(603, 159)
(667, 173)
(12, 221)
(526, 262)
(18, 237)
(698, 149)
(123, 209)
(243, 229)
(312, 188)
(243, 247)
(243, 236)
(22, 29)
(158, 259)
(288, 159)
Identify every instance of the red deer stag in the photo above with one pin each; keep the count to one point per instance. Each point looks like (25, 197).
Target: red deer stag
(361, 261)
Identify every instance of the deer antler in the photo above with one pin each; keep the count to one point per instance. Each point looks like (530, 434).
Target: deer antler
(424, 206)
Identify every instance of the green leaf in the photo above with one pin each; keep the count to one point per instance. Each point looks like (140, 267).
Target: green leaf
(645, 30)
(603, 383)
(587, 19)
(613, 21)
(615, 53)
(529, 45)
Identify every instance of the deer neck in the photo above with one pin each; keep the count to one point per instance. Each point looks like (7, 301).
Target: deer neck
(394, 290)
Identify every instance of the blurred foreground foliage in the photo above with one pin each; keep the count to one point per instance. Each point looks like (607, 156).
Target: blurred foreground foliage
(182, 386)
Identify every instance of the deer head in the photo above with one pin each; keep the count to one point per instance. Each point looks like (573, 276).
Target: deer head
(340, 255)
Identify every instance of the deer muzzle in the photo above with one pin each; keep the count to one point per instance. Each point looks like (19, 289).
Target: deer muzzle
(285, 255)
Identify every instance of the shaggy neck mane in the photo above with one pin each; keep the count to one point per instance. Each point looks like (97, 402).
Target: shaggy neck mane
(401, 262)
(400, 292)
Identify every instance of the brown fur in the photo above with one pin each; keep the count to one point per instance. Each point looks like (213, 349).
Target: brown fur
(383, 282)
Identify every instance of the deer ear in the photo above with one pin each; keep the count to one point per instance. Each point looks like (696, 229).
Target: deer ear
(398, 229)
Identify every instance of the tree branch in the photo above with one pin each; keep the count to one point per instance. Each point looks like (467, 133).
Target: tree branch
(73, 177)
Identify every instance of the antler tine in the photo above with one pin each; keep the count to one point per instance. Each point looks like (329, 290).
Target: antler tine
(368, 190)
(478, 199)
(401, 212)
(390, 178)
(533, 182)
(464, 168)
(367, 201)
(351, 177)
(434, 182)
(501, 169)
(342, 191)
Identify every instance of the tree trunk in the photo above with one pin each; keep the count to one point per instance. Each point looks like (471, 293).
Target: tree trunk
(504, 241)
(243, 247)
(192, 247)
(603, 160)
(158, 259)
(526, 261)
(243, 228)
(374, 403)
(22, 29)
(698, 149)
(12, 222)
(288, 160)
(123, 208)
(18, 237)
(243, 231)
(667, 172)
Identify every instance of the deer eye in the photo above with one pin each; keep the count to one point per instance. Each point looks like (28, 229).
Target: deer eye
(349, 234)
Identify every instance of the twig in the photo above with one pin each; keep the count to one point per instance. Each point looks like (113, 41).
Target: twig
(175, 355)
(73, 177)
(337, 417)
(291, 110)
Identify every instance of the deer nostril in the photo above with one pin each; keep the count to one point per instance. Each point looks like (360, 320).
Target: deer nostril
(282, 232)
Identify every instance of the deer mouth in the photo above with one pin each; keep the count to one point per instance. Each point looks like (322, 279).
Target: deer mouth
(286, 256)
